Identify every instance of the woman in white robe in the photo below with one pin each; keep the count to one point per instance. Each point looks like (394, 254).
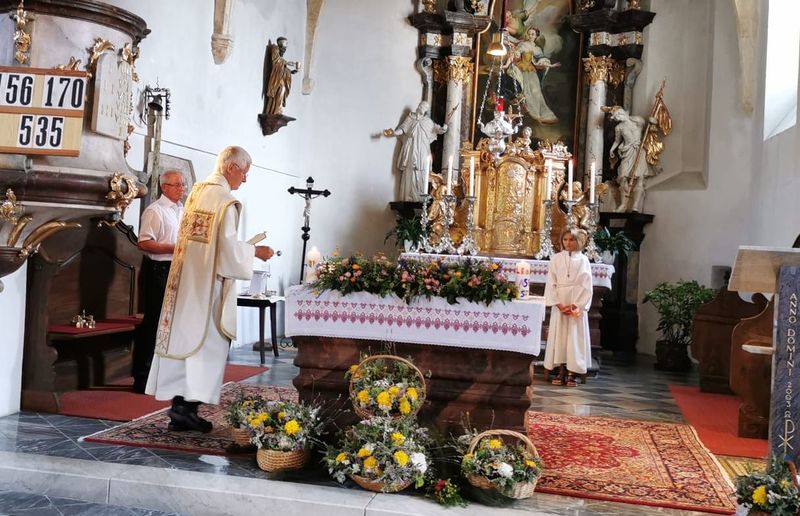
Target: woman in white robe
(568, 292)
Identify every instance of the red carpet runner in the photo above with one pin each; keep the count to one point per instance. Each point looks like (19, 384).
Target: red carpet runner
(119, 403)
(639, 462)
(715, 419)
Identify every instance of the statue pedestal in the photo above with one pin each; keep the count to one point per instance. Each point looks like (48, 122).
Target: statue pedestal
(270, 124)
(406, 209)
(619, 326)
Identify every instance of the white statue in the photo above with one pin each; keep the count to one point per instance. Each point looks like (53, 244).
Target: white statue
(417, 131)
(633, 168)
(498, 129)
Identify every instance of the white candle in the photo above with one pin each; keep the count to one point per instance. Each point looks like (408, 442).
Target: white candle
(549, 188)
(427, 174)
(450, 175)
(569, 182)
(472, 176)
(591, 184)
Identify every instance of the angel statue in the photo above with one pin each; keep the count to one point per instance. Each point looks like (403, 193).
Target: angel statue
(631, 135)
(277, 77)
(416, 132)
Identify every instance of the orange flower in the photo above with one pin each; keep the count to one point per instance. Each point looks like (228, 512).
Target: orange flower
(356, 267)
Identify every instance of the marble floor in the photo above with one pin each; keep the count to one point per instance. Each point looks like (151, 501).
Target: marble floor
(625, 391)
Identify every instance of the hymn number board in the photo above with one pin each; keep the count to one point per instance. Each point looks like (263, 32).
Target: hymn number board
(41, 110)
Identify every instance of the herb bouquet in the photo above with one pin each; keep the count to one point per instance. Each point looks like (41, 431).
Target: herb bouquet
(236, 416)
(492, 464)
(381, 455)
(284, 432)
(773, 491)
(386, 385)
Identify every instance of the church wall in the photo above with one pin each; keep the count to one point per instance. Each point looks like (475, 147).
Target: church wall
(12, 321)
(697, 226)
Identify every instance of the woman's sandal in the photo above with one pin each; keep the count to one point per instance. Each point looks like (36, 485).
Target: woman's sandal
(558, 381)
(571, 381)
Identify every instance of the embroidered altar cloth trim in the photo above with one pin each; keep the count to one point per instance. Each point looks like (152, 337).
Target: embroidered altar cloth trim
(601, 273)
(513, 326)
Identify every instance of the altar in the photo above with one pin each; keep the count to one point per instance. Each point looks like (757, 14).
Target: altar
(477, 358)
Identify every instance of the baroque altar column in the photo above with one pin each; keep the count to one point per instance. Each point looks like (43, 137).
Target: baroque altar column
(597, 70)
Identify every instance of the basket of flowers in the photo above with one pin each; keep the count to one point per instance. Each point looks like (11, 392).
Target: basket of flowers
(774, 491)
(237, 414)
(491, 464)
(381, 455)
(284, 432)
(386, 386)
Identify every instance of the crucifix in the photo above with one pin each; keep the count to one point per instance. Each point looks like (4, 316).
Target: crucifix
(308, 193)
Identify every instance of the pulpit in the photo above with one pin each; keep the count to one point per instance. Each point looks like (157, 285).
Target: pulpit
(776, 270)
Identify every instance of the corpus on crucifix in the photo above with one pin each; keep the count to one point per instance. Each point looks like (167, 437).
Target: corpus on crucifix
(309, 194)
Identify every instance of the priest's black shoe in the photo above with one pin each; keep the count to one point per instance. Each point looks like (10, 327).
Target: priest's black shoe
(182, 418)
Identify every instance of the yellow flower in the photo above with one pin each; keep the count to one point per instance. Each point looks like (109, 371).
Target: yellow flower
(363, 396)
(370, 463)
(495, 444)
(401, 457)
(281, 415)
(356, 267)
(467, 457)
(363, 452)
(457, 274)
(405, 406)
(254, 422)
(398, 438)
(341, 457)
(412, 393)
(353, 368)
(495, 266)
(384, 400)
(394, 390)
(530, 464)
(291, 427)
(760, 495)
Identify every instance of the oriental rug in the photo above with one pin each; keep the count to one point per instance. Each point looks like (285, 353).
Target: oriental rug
(639, 462)
(717, 428)
(118, 402)
(150, 431)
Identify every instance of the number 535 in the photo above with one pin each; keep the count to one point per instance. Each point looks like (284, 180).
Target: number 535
(41, 131)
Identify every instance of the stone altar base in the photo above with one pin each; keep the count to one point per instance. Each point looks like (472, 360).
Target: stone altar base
(494, 387)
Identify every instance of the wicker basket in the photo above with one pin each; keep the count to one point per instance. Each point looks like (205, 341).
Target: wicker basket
(379, 487)
(520, 490)
(240, 436)
(365, 413)
(273, 460)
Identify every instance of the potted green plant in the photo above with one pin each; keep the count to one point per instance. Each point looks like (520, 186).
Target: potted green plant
(407, 232)
(610, 244)
(676, 304)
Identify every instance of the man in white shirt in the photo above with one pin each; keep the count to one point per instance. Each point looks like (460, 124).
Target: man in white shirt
(158, 232)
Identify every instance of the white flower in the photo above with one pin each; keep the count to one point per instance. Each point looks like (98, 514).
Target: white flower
(285, 443)
(420, 462)
(370, 447)
(505, 470)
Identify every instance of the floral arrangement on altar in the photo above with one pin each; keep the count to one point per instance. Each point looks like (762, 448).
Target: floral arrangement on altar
(386, 385)
(491, 463)
(476, 281)
(284, 425)
(773, 491)
(381, 454)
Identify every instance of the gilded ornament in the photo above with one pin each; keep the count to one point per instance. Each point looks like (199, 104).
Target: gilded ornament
(96, 50)
(429, 6)
(459, 68)
(16, 231)
(31, 244)
(616, 74)
(73, 64)
(585, 5)
(634, 4)
(440, 73)
(638, 38)
(126, 146)
(597, 67)
(622, 40)
(22, 37)
(10, 209)
(121, 198)
(130, 54)
(461, 39)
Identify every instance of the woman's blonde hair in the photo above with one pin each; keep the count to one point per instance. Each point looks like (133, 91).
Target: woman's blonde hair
(578, 234)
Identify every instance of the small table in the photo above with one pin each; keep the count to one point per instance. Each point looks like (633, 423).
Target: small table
(262, 303)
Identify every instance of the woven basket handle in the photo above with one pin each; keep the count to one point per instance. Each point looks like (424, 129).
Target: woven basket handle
(395, 358)
(510, 433)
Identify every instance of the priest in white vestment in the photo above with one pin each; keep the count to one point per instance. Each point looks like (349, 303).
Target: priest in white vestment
(198, 317)
(568, 292)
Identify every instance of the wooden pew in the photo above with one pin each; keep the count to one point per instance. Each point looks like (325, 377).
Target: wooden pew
(712, 327)
(94, 269)
(751, 374)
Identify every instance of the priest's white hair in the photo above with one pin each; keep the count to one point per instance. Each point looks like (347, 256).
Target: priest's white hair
(232, 154)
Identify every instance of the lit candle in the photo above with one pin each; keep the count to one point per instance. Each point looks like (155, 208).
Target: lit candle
(569, 182)
(450, 175)
(313, 259)
(591, 184)
(549, 189)
(472, 176)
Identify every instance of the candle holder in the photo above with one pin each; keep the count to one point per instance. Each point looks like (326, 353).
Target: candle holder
(546, 249)
(446, 244)
(571, 222)
(468, 244)
(591, 226)
(424, 244)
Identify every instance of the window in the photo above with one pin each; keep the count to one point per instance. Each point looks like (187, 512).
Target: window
(783, 58)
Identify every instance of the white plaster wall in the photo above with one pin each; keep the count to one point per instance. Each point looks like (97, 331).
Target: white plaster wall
(12, 321)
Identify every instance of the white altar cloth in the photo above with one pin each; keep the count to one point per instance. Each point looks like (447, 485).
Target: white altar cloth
(601, 273)
(512, 326)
